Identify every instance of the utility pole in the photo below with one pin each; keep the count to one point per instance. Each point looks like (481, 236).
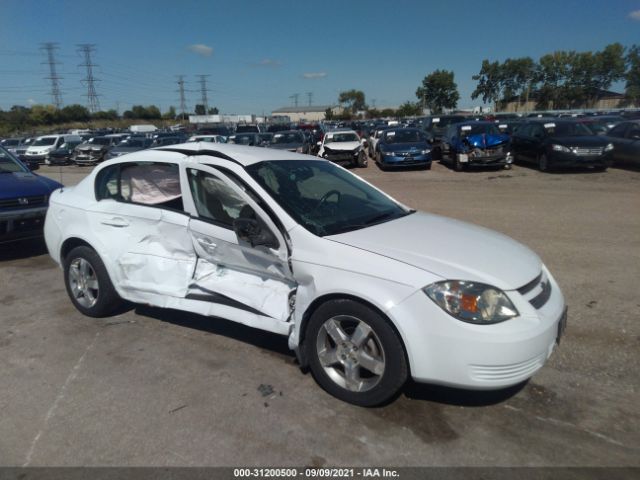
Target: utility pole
(92, 97)
(310, 98)
(295, 98)
(203, 92)
(183, 104)
(56, 96)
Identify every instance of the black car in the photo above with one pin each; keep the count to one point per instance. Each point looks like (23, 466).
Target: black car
(265, 138)
(62, 155)
(556, 142)
(625, 138)
(292, 140)
(435, 128)
(131, 144)
(249, 138)
(24, 198)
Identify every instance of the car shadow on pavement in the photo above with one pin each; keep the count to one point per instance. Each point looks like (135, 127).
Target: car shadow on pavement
(22, 249)
(219, 326)
(460, 397)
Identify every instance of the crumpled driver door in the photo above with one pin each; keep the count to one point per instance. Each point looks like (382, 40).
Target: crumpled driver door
(229, 272)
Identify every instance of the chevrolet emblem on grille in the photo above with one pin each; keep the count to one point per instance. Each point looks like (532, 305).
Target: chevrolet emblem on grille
(23, 201)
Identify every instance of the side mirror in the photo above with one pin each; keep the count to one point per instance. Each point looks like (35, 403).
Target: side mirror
(250, 231)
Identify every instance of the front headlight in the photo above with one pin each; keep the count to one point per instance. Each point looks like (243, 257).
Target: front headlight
(560, 148)
(608, 148)
(471, 301)
(424, 152)
(299, 150)
(95, 149)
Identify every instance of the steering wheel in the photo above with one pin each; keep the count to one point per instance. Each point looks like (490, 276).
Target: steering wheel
(325, 197)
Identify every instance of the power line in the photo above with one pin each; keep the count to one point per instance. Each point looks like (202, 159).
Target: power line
(203, 92)
(183, 105)
(92, 97)
(56, 96)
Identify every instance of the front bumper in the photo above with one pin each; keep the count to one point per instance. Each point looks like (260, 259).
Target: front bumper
(87, 158)
(446, 351)
(342, 157)
(21, 224)
(489, 160)
(562, 159)
(405, 160)
(35, 158)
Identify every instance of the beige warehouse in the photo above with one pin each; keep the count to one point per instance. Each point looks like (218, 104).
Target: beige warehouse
(309, 113)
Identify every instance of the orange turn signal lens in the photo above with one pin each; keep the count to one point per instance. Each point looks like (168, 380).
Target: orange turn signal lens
(469, 303)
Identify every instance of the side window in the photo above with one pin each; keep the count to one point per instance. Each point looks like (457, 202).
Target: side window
(144, 183)
(634, 132)
(215, 200)
(108, 183)
(617, 131)
(537, 131)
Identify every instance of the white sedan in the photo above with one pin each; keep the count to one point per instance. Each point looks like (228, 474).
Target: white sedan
(367, 290)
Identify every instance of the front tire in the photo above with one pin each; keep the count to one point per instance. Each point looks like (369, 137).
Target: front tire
(88, 284)
(543, 162)
(457, 164)
(355, 354)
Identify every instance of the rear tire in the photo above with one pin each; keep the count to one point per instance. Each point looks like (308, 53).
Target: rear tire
(88, 284)
(354, 353)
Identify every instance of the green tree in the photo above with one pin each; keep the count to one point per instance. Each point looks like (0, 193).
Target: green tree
(199, 109)
(409, 109)
(43, 115)
(74, 113)
(328, 114)
(108, 115)
(214, 111)
(439, 91)
(352, 100)
(170, 114)
(489, 86)
(632, 77)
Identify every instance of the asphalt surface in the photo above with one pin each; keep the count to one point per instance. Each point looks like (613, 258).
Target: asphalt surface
(157, 387)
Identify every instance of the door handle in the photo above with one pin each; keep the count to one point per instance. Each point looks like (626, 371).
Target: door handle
(115, 222)
(207, 244)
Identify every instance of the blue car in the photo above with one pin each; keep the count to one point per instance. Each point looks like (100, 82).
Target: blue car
(476, 144)
(24, 198)
(403, 147)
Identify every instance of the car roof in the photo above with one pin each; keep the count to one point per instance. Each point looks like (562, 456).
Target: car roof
(240, 154)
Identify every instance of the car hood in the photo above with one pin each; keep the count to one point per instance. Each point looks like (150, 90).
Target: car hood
(126, 149)
(339, 146)
(90, 146)
(405, 147)
(580, 141)
(486, 141)
(25, 184)
(449, 248)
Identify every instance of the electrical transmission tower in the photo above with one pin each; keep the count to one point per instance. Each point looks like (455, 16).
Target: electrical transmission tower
(183, 103)
(92, 97)
(56, 96)
(295, 98)
(310, 98)
(203, 92)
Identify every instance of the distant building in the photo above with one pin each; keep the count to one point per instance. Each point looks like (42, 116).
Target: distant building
(308, 113)
(608, 100)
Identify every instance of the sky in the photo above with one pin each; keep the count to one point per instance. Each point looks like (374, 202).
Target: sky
(257, 54)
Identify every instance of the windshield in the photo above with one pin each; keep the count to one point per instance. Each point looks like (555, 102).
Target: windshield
(479, 129)
(567, 129)
(9, 163)
(404, 136)
(44, 141)
(440, 122)
(11, 142)
(323, 198)
(132, 143)
(100, 141)
(287, 138)
(342, 137)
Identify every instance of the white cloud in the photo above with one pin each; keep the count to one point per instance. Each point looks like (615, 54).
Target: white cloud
(314, 75)
(635, 15)
(268, 62)
(201, 49)
(31, 101)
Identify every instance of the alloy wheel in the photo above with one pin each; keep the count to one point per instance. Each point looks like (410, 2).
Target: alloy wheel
(83, 282)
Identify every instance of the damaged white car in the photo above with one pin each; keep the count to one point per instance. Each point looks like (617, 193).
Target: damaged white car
(368, 291)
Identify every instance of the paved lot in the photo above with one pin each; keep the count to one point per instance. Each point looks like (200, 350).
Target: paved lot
(154, 387)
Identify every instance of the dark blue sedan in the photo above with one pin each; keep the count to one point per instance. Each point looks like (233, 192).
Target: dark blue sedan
(403, 147)
(24, 198)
